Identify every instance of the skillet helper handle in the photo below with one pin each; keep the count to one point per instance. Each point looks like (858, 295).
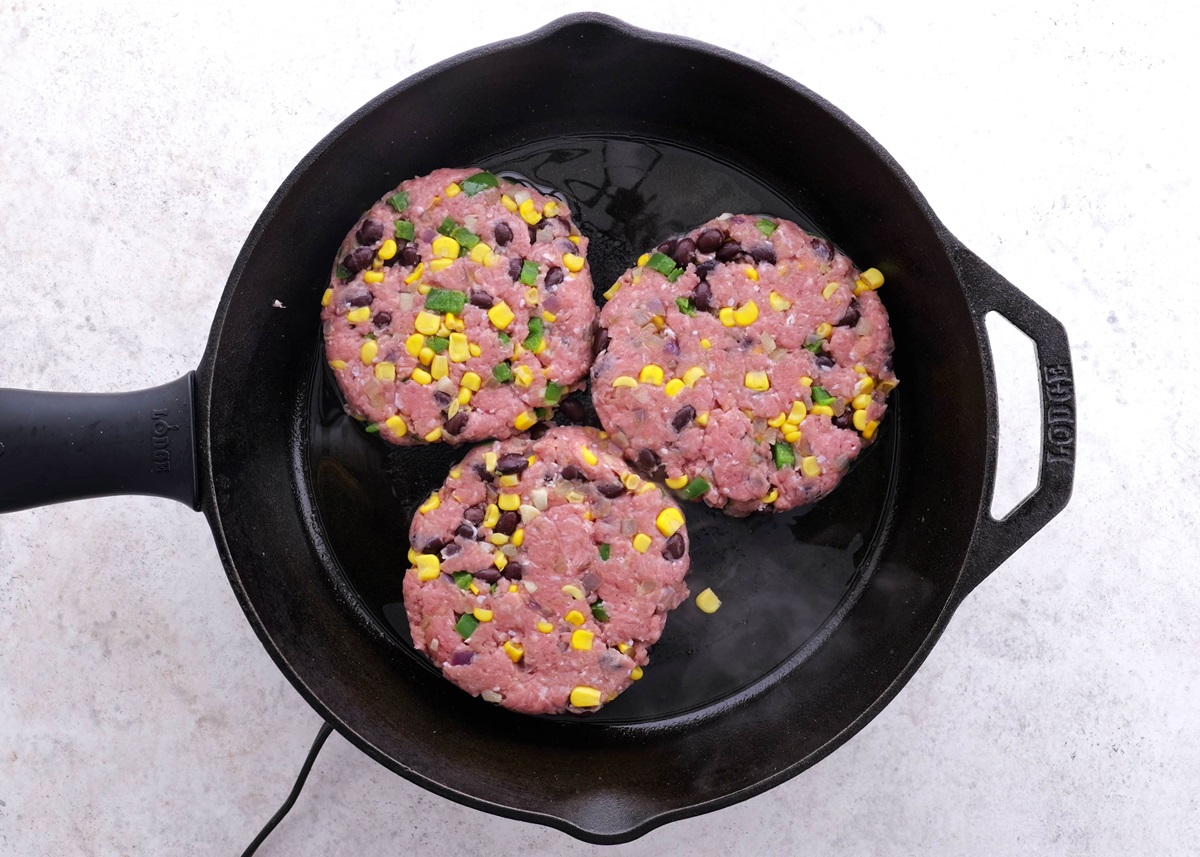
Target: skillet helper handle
(71, 446)
(996, 540)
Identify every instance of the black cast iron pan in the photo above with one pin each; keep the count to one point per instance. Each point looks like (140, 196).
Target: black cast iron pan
(828, 611)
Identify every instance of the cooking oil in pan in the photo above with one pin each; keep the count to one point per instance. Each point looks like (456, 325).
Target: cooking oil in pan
(783, 579)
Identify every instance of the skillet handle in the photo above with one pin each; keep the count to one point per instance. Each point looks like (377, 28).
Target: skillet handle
(71, 446)
(996, 540)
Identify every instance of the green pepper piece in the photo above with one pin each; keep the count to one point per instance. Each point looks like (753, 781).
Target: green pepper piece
(372, 428)
(695, 488)
(463, 579)
(437, 344)
(504, 337)
(472, 185)
(466, 625)
(445, 300)
(405, 230)
(766, 227)
(662, 263)
(686, 306)
(785, 456)
(821, 396)
(503, 372)
(536, 329)
(529, 272)
(448, 225)
(553, 393)
(814, 347)
(605, 551)
(543, 413)
(465, 237)
(399, 201)
(675, 275)
(342, 273)
(599, 612)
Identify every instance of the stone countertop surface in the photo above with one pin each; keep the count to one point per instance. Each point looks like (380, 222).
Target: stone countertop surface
(139, 141)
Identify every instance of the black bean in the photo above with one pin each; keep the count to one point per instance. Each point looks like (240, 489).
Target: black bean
(465, 530)
(487, 575)
(573, 410)
(702, 297)
(480, 299)
(503, 233)
(435, 545)
(507, 524)
(475, 515)
(357, 259)
(683, 252)
(357, 296)
(887, 365)
(539, 431)
(381, 319)
(573, 474)
(452, 549)
(852, 315)
(667, 248)
(513, 571)
(824, 361)
(514, 269)
(764, 252)
(683, 417)
(706, 268)
(845, 419)
(462, 658)
(822, 248)
(709, 240)
(482, 472)
(442, 400)
(409, 256)
(554, 276)
(610, 489)
(648, 459)
(532, 233)
(729, 251)
(674, 547)
(511, 462)
(370, 231)
(600, 342)
(457, 423)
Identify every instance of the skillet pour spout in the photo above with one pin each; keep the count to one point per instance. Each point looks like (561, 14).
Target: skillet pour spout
(830, 609)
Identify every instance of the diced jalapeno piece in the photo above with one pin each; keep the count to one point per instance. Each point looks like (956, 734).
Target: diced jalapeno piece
(405, 230)
(785, 456)
(536, 328)
(399, 201)
(445, 300)
(437, 344)
(814, 347)
(543, 413)
(675, 275)
(662, 263)
(766, 227)
(466, 625)
(553, 393)
(599, 612)
(605, 551)
(371, 428)
(821, 396)
(465, 237)
(504, 337)
(472, 185)
(529, 272)
(463, 579)
(448, 226)
(503, 372)
(685, 306)
(695, 488)
(343, 274)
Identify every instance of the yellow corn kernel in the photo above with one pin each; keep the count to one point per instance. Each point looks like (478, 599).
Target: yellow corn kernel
(414, 344)
(412, 556)
(869, 429)
(588, 456)
(482, 614)
(425, 355)
(702, 419)
(624, 648)
(541, 346)
(458, 349)
(751, 273)
(368, 352)
(518, 537)
(708, 601)
(865, 384)
(888, 385)
(481, 253)
(574, 617)
(327, 298)
(726, 316)
(427, 323)
(438, 265)
(337, 364)
(572, 263)
(805, 381)
(585, 697)
(523, 375)
(677, 482)
(422, 377)
(777, 420)
(474, 350)
(509, 502)
(612, 291)
(373, 277)
(798, 412)
(581, 640)
(624, 381)
(673, 388)
(860, 420)
(491, 516)
(428, 566)
(440, 367)
(445, 247)
(705, 344)
(645, 487)
(500, 315)
(792, 436)
(434, 436)
(824, 330)
(757, 381)
(416, 274)
(829, 290)
(464, 396)
(510, 480)
(821, 411)
(651, 374)
(631, 481)
(489, 461)
(472, 381)
(772, 496)
(423, 288)
(860, 286)
(641, 543)
(514, 651)
(778, 302)
(429, 505)
(386, 250)
(529, 212)
(873, 277)
(575, 592)
(358, 316)
(544, 626)
(550, 209)
(499, 560)
(746, 315)
(636, 674)
(385, 371)
(508, 202)
(669, 520)
(574, 239)
(691, 376)
(809, 466)
(861, 402)
(498, 539)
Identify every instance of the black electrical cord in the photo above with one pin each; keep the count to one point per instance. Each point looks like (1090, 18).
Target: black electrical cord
(291, 799)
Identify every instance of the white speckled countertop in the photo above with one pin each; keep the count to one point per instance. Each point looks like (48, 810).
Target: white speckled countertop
(1058, 714)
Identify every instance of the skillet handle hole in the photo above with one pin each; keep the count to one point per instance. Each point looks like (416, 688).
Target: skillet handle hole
(1017, 389)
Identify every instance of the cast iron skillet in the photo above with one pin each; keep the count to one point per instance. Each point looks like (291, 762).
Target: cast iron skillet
(827, 611)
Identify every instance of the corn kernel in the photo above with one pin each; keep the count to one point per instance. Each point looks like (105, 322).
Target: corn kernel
(824, 330)
(869, 429)
(414, 344)
(514, 651)
(673, 388)
(641, 543)
(387, 250)
(439, 265)
(792, 436)
(669, 520)
(416, 274)
(771, 497)
(708, 601)
(677, 482)
(805, 381)
(861, 402)
(860, 420)
(829, 290)
(489, 461)
(585, 697)
(860, 286)
(612, 291)
(778, 302)
(631, 481)
(422, 377)
(518, 537)
(550, 209)
(544, 626)
(327, 298)
(581, 640)
(458, 349)
(499, 560)
(809, 466)
(510, 480)
(358, 316)
(865, 384)
(529, 212)
(508, 202)
(757, 381)
(471, 381)
(751, 273)
(481, 253)
(821, 411)
(777, 420)
(425, 355)
(428, 566)
(541, 346)
(888, 385)
(440, 367)
(509, 502)
(624, 648)
(645, 487)
(702, 419)
(726, 316)
(651, 374)
(455, 473)
(798, 412)
(412, 556)
(691, 376)
(572, 263)
(423, 288)
(523, 375)
(368, 352)
(434, 436)
(427, 323)
(429, 505)
(574, 239)
(636, 674)
(624, 381)
(385, 371)
(873, 277)
(498, 539)
(491, 516)
(474, 350)
(705, 344)
(643, 259)
(482, 614)
(574, 617)
(500, 315)
(445, 247)
(373, 277)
